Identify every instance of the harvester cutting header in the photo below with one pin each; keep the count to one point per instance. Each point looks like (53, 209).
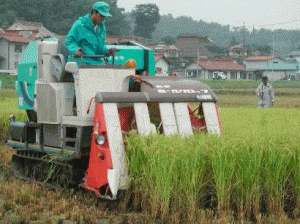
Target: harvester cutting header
(80, 114)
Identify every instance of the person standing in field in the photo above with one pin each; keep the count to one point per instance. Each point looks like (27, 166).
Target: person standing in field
(265, 93)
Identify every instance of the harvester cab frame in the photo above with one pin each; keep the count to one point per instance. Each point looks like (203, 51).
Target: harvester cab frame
(87, 149)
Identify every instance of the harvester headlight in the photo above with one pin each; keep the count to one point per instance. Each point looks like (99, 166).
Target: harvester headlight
(100, 139)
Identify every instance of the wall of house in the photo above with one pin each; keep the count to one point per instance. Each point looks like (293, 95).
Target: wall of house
(17, 53)
(253, 65)
(4, 54)
(11, 55)
(297, 58)
(274, 75)
(279, 75)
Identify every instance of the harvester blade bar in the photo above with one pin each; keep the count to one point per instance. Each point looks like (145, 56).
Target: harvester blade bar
(183, 119)
(115, 141)
(211, 118)
(142, 118)
(168, 118)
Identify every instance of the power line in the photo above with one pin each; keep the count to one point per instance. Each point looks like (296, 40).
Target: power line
(265, 25)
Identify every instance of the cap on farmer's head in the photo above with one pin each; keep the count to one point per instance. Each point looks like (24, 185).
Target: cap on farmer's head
(102, 8)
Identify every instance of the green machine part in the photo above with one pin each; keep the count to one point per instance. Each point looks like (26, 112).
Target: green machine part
(28, 67)
(27, 75)
(143, 56)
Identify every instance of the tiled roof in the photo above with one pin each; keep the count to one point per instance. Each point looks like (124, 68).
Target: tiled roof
(118, 39)
(259, 58)
(14, 37)
(237, 48)
(221, 65)
(171, 48)
(295, 53)
(280, 67)
(205, 39)
(158, 57)
(113, 40)
(31, 26)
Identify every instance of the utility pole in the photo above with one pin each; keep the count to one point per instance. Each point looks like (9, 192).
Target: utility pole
(273, 43)
(244, 33)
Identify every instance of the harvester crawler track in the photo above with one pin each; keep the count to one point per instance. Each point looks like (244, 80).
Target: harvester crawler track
(40, 168)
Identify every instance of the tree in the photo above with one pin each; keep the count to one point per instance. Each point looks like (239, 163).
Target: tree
(264, 50)
(233, 42)
(168, 40)
(146, 16)
(59, 15)
(116, 25)
(7, 18)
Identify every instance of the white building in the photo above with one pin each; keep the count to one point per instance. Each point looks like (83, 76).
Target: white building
(161, 66)
(14, 40)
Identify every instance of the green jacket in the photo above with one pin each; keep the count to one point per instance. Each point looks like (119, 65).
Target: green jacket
(92, 41)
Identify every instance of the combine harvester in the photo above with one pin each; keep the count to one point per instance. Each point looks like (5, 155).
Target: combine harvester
(79, 114)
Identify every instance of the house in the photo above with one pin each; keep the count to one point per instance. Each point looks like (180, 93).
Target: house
(26, 29)
(274, 67)
(122, 39)
(193, 47)
(12, 44)
(237, 51)
(204, 68)
(170, 53)
(14, 40)
(295, 56)
(161, 66)
(280, 71)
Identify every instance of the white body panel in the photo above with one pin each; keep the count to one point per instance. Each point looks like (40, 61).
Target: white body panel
(183, 119)
(118, 177)
(143, 119)
(46, 50)
(53, 101)
(90, 81)
(211, 118)
(168, 119)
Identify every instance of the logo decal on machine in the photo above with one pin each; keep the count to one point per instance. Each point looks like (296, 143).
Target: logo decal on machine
(203, 91)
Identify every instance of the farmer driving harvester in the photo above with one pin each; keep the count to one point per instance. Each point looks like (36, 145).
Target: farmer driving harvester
(87, 35)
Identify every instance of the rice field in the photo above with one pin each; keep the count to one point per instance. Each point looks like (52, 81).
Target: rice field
(8, 106)
(244, 84)
(251, 170)
(250, 174)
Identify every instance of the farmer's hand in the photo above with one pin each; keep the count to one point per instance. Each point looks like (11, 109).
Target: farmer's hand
(111, 52)
(79, 52)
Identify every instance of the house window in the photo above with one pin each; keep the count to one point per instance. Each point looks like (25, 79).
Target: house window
(18, 48)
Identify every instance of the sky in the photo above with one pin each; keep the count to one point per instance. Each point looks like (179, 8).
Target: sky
(270, 14)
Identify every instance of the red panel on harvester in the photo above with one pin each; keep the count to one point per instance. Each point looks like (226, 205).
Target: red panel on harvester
(100, 158)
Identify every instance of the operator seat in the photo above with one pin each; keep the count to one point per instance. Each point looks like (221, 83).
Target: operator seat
(61, 58)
